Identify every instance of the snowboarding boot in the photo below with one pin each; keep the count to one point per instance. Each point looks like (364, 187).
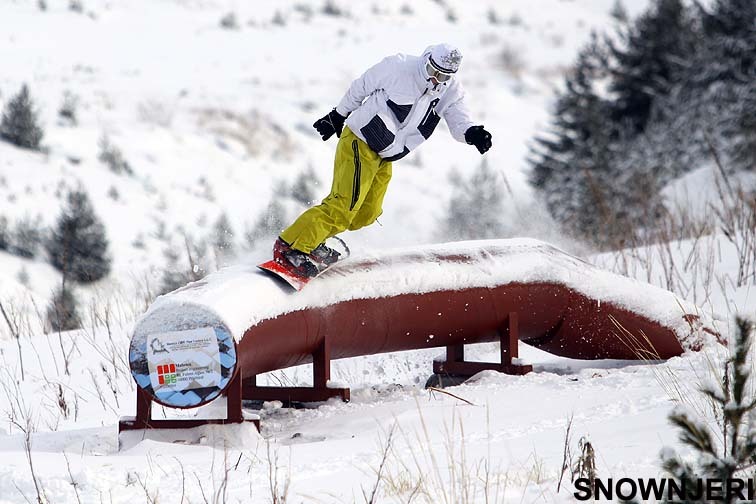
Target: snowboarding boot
(293, 260)
(324, 255)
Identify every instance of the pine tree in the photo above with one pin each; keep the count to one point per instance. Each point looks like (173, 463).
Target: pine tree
(572, 166)
(78, 245)
(727, 48)
(730, 453)
(19, 124)
(618, 12)
(744, 144)
(62, 313)
(476, 207)
(4, 238)
(649, 59)
(725, 76)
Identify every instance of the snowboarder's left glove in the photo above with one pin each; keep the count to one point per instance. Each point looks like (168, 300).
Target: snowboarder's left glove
(479, 137)
(329, 124)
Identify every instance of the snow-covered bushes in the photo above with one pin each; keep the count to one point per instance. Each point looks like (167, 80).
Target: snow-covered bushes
(20, 125)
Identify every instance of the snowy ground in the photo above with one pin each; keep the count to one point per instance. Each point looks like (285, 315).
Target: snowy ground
(507, 446)
(210, 120)
(514, 430)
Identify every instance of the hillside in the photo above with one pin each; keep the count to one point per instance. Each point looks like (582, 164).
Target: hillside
(214, 120)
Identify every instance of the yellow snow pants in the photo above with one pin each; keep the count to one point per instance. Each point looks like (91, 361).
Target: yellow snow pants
(360, 179)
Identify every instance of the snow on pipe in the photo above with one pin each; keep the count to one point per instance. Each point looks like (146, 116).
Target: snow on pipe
(430, 296)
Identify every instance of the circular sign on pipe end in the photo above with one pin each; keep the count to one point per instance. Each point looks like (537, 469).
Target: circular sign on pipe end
(183, 368)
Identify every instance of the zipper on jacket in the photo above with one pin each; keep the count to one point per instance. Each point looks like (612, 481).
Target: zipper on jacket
(409, 121)
(357, 170)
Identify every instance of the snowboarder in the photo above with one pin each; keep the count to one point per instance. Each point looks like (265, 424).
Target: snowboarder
(390, 110)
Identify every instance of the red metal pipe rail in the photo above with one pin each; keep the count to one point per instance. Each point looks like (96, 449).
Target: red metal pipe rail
(555, 315)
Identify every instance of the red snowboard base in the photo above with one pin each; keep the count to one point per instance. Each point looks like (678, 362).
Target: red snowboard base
(296, 281)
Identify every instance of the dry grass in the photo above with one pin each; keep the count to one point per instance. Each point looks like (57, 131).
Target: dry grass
(415, 467)
(253, 131)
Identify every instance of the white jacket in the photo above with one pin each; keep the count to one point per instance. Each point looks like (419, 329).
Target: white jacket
(394, 108)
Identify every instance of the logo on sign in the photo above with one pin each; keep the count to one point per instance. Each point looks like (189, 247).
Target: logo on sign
(167, 374)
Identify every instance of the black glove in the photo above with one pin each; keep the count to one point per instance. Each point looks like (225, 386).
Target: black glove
(329, 124)
(479, 137)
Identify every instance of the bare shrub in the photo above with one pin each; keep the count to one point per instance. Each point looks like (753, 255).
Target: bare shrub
(303, 188)
(178, 273)
(255, 132)
(406, 10)
(113, 157)
(566, 454)
(585, 465)
(229, 21)
(493, 17)
(156, 112)
(330, 8)
(278, 19)
(269, 224)
(27, 237)
(4, 234)
(511, 61)
(412, 471)
(62, 312)
(278, 483)
(68, 109)
(223, 240)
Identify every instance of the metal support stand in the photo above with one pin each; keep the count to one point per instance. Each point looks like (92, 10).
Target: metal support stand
(321, 373)
(143, 420)
(456, 365)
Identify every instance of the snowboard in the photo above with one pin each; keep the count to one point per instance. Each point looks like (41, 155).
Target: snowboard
(297, 282)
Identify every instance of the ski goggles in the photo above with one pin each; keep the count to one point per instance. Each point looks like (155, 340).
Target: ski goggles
(437, 73)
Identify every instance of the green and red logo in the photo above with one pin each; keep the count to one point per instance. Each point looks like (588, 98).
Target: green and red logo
(167, 374)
